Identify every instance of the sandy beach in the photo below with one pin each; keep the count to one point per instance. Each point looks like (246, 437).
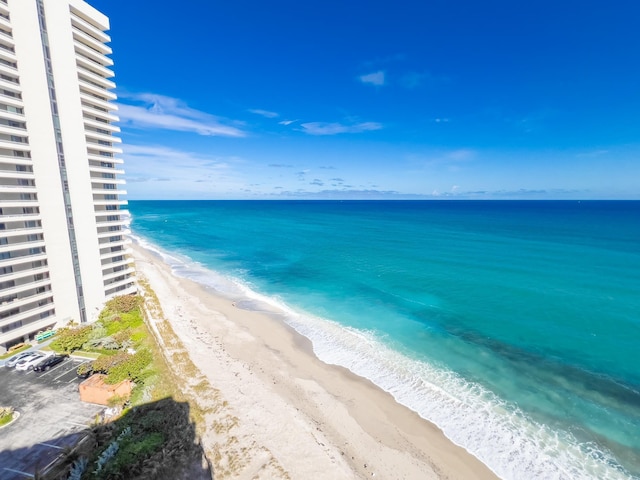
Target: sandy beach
(285, 413)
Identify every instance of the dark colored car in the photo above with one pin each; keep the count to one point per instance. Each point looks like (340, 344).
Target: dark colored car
(49, 362)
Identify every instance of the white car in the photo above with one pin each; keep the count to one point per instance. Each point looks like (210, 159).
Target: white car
(16, 358)
(30, 362)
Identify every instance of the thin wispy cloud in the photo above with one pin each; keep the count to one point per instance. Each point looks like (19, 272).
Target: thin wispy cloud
(325, 128)
(155, 162)
(287, 122)
(375, 78)
(264, 113)
(159, 112)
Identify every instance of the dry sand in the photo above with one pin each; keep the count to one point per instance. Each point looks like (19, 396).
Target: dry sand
(285, 413)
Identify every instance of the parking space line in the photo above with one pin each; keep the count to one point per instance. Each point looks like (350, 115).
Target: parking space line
(65, 372)
(18, 471)
(62, 364)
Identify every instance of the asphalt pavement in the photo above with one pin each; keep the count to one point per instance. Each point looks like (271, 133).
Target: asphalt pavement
(52, 417)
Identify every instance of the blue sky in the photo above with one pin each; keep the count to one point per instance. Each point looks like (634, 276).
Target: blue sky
(372, 99)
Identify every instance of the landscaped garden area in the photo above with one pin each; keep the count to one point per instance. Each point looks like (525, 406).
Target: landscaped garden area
(153, 433)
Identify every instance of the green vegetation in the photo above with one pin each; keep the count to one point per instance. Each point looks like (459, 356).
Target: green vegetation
(20, 347)
(6, 415)
(161, 439)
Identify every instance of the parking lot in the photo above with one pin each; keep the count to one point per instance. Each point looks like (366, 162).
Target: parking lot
(52, 417)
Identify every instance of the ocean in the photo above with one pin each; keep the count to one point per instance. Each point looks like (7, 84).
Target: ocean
(512, 325)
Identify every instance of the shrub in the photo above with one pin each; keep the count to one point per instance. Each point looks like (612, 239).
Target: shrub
(117, 401)
(70, 339)
(106, 343)
(132, 368)
(123, 336)
(6, 415)
(104, 363)
(84, 369)
(124, 303)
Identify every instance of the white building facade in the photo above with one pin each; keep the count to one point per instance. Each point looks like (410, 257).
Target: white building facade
(63, 221)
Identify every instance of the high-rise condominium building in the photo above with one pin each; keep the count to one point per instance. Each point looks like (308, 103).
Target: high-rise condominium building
(62, 217)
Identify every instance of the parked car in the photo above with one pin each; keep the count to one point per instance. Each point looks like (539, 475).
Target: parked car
(30, 362)
(49, 362)
(16, 358)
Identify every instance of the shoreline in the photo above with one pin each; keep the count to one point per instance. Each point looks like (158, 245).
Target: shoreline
(315, 420)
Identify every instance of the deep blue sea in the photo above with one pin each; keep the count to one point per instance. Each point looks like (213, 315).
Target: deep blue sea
(514, 326)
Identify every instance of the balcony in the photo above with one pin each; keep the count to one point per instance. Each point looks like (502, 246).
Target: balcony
(111, 223)
(24, 273)
(16, 232)
(101, 136)
(89, 29)
(26, 315)
(126, 261)
(15, 261)
(17, 188)
(12, 247)
(11, 86)
(20, 302)
(16, 174)
(110, 202)
(104, 126)
(10, 130)
(111, 233)
(11, 160)
(8, 55)
(125, 252)
(96, 157)
(26, 286)
(106, 191)
(100, 179)
(97, 102)
(92, 54)
(94, 79)
(87, 64)
(115, 291)
(96, 90)
(91, 42)
(110, 276)
(116, 243)
(6, 24)
(18, 217)
(28, 329)
(96, 147)
(9, 145)
(109, 287)
(96, 169)
(19, 203)
(10, 99)
(91, 110)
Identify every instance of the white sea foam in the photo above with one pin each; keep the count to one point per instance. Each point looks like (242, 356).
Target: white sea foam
(497, 433)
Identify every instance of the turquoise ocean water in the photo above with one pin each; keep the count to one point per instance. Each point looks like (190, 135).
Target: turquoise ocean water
(514, 326)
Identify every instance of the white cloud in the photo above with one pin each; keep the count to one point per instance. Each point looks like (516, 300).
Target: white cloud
(166, 113)
(264, 113)
(325, 128)
(150, 163)
(287, 122)
(375, 78)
